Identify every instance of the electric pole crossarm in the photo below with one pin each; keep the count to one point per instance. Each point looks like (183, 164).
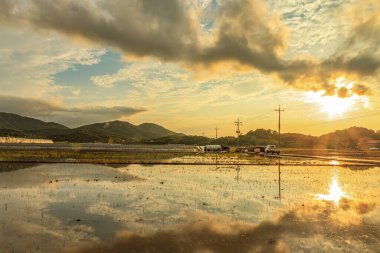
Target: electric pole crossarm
(238, 123)
(216, 132)
(279, 110)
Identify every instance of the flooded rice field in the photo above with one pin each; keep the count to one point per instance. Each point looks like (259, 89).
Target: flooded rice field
(189, 208)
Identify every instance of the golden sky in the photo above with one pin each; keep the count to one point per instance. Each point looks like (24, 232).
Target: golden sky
(193, 65)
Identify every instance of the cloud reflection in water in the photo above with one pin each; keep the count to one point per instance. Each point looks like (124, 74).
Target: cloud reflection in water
(90, 208)
(318, 227)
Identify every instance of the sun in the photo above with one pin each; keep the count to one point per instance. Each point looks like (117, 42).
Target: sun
(333, 105)
(338, 101)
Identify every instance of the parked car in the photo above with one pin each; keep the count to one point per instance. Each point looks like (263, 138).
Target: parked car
(259, 150)
(241, 150)
(272, 149)
(225, 149)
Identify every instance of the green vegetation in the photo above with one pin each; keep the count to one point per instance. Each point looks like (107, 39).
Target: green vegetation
(18, 123)
(351, 138)
(118, 131)
(126, 133)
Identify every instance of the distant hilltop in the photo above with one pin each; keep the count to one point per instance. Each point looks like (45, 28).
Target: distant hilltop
(148, 133)
(115, 132)
(350, 138)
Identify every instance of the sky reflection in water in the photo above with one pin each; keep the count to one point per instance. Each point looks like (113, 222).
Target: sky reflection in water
(93, 208)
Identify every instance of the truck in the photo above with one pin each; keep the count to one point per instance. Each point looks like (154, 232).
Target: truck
(213, 148)
(272, 149)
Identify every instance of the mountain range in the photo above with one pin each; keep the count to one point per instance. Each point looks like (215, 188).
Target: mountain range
(115, 131)
(149, 133)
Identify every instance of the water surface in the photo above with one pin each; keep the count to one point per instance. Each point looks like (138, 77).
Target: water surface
(183, 208)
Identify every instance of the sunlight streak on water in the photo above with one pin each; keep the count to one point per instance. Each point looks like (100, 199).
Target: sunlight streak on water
(334, 162)
(335, 192)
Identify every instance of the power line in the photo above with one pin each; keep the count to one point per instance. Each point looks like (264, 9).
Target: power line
(263, 115)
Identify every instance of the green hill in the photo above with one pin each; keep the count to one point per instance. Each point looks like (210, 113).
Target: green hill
(351, 138)
(20, 123)
(151, 131)
(118, 131)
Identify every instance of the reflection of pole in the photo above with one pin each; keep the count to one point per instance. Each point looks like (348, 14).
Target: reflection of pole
(279, 179)
(237, 173)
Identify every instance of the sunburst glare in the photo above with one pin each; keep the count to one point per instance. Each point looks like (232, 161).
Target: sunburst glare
(340, 100)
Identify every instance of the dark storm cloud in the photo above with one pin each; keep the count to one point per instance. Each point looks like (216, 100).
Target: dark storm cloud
(49, 111)
(243, 32)
(164, 29)
(342, 224)
(139, 27)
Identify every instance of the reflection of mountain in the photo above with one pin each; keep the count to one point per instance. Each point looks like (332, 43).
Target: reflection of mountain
(360, 167)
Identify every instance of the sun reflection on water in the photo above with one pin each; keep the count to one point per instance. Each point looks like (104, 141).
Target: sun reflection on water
(334, 162)
(335, 192)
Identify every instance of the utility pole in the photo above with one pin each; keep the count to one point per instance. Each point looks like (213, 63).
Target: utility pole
(279, 110)
(279, 179)
(216, 132)
(238, 123)
(203, 134)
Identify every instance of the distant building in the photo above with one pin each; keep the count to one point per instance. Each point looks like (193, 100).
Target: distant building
(23, 140)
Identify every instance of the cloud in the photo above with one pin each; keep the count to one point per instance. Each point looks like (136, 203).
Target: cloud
(138, 27)
(55, 111)
(29, 62)
(334, 225)
(240, 32)
(151, 76)
(28, 106)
